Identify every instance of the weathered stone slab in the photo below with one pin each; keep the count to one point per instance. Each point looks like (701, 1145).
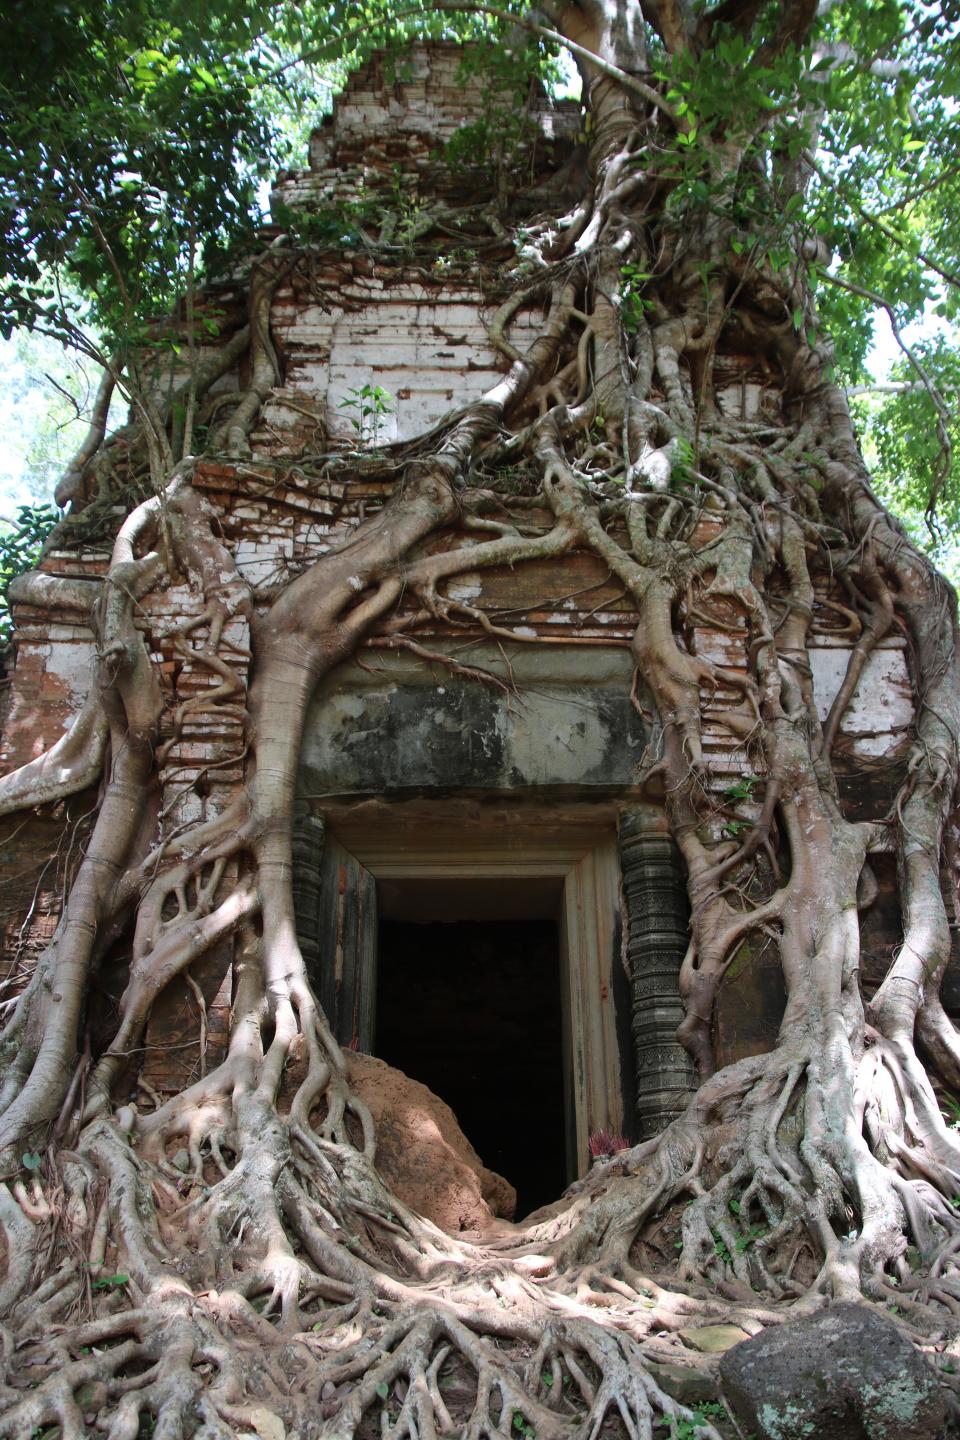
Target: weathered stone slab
(713, 1339)
(565, 719)
(684, 1382)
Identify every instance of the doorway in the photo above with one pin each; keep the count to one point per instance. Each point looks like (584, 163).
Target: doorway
(469, 1002)
(373, 874)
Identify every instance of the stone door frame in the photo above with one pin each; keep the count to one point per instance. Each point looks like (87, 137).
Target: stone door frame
(585, 861)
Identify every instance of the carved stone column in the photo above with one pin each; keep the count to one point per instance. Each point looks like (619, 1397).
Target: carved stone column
(657, 933)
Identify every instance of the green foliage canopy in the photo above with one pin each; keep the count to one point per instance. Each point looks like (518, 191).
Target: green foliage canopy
(133, 138)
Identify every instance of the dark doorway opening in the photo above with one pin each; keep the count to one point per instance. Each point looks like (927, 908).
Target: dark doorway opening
(472, 1009)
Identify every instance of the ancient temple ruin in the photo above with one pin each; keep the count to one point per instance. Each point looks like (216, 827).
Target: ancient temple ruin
(475, 846)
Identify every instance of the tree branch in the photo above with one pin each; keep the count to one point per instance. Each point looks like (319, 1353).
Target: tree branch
(673, 21)
(894, 387)
(939, 404)
(874, 220)
(54, 592)
(72, 764)
(68, 487)
(796, 21)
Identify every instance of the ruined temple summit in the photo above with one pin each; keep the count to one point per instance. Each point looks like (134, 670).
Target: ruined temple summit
(485, 888)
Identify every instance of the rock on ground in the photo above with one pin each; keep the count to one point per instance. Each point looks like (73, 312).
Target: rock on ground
(846, 1373)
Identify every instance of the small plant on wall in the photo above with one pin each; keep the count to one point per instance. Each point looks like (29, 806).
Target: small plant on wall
(367, 407)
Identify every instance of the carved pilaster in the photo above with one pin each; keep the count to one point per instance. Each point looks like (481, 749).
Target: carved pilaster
(657, 931)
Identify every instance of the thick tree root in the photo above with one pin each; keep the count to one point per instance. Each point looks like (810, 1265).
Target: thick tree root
(279, 1273)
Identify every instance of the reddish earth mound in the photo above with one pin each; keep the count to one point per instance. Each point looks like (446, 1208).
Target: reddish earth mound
(422, 1154)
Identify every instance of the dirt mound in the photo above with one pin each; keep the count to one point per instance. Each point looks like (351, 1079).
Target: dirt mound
(422, 1153)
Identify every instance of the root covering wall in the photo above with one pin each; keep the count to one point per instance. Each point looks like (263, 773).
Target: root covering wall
(394, 721)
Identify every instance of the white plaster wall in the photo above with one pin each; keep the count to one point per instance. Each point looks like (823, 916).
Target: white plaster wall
(430, 350)
(71, 657)
(881, 710)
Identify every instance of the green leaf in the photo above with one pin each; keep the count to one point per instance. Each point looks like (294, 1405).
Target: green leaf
(111, 1282)
(32, 1160)
(383, 1389)
(741, 789)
